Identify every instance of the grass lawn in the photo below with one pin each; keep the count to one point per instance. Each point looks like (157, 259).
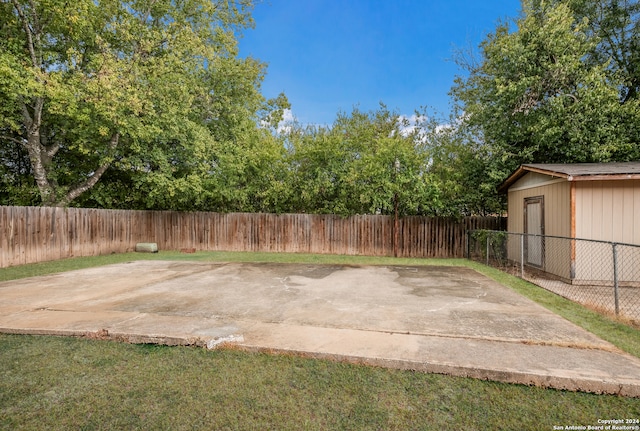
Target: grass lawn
(67, 383)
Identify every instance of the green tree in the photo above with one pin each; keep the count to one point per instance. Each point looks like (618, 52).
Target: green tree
(89, 85)
(248, 174)
(615, 25)
(16, 181)
(388, 164)
(538, 95)
(458, 173)
(318, 162)
(365, 163)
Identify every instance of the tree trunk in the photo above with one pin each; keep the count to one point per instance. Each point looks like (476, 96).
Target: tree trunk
(41, 157)
(40, 164)
(93, 179)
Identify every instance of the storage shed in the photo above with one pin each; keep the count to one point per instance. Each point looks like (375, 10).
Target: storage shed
(594, 201)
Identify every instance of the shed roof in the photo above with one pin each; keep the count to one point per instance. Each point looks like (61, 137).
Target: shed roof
(577, 172)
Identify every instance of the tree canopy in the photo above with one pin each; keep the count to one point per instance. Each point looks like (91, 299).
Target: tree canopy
(366, 163)
(550, 89)
(148, 105)
(144, 86)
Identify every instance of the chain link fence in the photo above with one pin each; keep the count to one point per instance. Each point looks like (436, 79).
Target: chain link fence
(601, 275)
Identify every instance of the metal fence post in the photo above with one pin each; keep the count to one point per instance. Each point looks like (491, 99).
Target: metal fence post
(615, 277)
(488, 239)
(583, 272)
(522, 256)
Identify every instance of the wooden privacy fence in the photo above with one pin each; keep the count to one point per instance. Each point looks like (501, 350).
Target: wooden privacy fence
(35, 234)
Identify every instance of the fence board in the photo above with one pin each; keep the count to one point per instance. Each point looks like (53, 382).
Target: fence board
(36, 234)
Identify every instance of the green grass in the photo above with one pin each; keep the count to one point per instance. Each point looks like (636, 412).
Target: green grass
(618, 333)
(67, 383)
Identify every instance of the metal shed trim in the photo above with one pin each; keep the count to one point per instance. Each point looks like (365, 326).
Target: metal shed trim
(577, 172)
(531, 186)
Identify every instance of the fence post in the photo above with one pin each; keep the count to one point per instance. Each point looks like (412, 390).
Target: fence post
(615, 277)
(522, 256)
(469, 244)
(488, 240)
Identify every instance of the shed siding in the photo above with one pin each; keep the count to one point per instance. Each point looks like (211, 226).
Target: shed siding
(557, 207)
(557, 220)
(605, 210)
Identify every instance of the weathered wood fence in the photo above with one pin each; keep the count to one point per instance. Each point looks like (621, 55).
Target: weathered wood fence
(35, 234)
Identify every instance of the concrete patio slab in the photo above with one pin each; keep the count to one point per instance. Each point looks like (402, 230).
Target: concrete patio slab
(449, 320)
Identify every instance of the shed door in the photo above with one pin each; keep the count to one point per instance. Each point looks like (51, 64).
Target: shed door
(534, 229)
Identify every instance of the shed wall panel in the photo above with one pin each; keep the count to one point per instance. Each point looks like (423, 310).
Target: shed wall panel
(557, 221)
(608, 210)
(605, 210)
(557, 208)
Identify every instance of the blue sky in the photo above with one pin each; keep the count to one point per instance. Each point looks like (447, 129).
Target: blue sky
(331, 55)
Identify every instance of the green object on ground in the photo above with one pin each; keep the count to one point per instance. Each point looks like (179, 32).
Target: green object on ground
(147, 247)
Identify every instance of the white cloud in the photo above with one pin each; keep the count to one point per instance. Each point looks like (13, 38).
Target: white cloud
(284, 125)
(409, 124)
(287, 116)
(288, 119)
